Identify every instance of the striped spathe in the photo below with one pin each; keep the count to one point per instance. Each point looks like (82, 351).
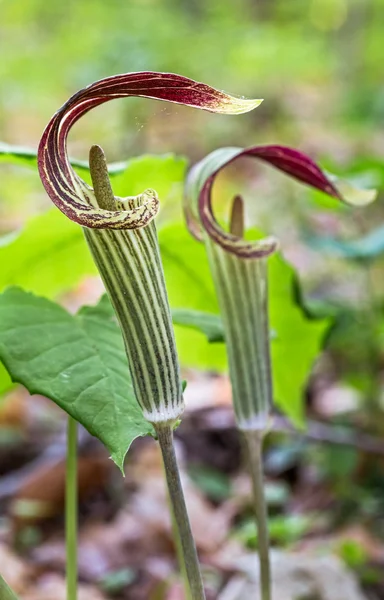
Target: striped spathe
(130, 266)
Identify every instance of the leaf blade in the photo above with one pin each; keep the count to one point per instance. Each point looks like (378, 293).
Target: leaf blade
(65, 358)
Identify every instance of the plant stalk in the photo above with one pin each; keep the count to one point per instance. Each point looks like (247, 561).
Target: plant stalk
(71, 502)
(179, 550)
(179, 509)
(254, 443)
(5, 591)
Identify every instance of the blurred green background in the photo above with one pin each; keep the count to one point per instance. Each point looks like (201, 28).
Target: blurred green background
(317, 63)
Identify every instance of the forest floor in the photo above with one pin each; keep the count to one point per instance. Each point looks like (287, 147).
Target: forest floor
(325, 545)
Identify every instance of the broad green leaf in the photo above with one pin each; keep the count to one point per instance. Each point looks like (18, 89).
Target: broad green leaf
(48, 256)
(207, 323)
(78, 361)
(165, 174)
(190, 286)
(298, 341)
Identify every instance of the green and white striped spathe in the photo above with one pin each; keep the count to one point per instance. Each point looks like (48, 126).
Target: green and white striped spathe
(239, 269)
(242, 292)
(130, 266)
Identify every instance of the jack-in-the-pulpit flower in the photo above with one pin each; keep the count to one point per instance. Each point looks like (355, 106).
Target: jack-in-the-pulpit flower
(121, 232)
(239, 271)
(122, 237)
(240, 274)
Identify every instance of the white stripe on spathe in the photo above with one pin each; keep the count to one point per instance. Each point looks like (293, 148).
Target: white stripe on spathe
(242, 291)
(127, 268)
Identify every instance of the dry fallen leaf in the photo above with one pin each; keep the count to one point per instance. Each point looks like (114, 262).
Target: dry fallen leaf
(52, 587)
(14, 570)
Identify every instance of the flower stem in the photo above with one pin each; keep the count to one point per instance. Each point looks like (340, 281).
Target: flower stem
(179, 549)
(5, 591)
(254, 443)
(188, 548)
(71, 509)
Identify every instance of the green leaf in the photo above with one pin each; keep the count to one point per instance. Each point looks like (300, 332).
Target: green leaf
(6, 383)
(207, 323)
(165, 174)
(368, 247)
(113, 583)
(78, 361)
(215, 484)
(298, 341)
(19, 155)
(189, 285)
(284, 529)
(48, 256)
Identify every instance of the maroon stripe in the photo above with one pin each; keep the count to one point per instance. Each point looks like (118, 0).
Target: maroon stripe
(54, 167)
(290, 161)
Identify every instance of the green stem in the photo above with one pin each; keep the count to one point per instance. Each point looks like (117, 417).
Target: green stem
(179, 509)
(71, 509)
(254, 443)
(179, 552)
(5, 591)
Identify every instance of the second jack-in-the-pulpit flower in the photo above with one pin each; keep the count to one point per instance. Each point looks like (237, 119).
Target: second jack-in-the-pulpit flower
(240, 273)
(239, 270)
